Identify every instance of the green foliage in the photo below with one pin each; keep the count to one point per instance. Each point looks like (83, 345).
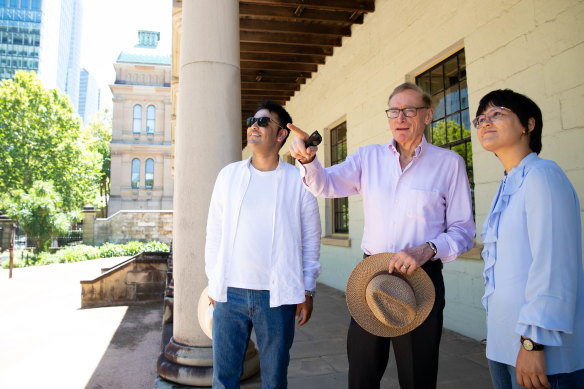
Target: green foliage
(449, 131)
(99, 138)
(133, 248)
(41, 140)
(111, 250)
(38, 211)
(155, 246)
(17, 262)
(107, 250)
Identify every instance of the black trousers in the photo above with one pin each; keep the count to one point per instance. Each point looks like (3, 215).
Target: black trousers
(416, 353)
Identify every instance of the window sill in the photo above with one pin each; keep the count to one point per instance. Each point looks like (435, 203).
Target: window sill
(340, 241)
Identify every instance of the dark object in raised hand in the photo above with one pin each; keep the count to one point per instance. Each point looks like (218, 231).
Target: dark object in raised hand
(313, 140)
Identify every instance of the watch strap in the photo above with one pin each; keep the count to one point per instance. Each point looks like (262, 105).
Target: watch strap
(433, 247)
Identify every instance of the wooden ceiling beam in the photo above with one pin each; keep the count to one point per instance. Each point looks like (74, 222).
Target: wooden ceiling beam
(278, 66)
(281, 94)
(279, 48)
(268, 78)
(336, 5)
(293, 27)
(287, 13)
(269, 86)
(298, 39)
(287, 58)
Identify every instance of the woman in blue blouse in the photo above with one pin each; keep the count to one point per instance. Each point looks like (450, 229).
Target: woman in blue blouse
(534, 282)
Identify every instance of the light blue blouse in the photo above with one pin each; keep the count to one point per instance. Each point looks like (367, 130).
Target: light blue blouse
(534, 281)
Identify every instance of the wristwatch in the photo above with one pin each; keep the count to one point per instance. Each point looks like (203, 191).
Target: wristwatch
(310, 293)
(530, 345)
(433, 247)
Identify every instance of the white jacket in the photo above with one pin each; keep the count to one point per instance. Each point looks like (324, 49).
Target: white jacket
(296, 233)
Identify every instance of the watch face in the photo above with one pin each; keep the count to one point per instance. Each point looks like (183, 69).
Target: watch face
(527, 344)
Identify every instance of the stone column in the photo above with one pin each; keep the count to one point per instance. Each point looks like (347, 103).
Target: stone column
(208, 132)
(89, 214)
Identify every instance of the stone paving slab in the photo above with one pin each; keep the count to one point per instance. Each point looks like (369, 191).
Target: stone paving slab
(48, 341)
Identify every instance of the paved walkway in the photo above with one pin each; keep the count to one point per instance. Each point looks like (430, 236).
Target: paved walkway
(47, 341)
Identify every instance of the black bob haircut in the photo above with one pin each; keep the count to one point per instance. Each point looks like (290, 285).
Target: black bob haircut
(522, 106)
(283, 116)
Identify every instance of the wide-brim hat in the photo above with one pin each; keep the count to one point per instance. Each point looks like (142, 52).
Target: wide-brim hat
(205, 313)
(387, 304)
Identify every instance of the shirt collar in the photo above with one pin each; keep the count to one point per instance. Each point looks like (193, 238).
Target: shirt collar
(421, 147)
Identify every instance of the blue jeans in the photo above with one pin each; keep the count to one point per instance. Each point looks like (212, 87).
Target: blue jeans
(504, 377)
(232, 324)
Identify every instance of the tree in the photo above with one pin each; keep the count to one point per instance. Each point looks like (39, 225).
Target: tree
(38, 212)
(98, 134)
(41, 140)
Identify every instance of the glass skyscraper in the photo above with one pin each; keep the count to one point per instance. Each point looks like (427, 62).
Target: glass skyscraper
(20, 35)
(44, 36)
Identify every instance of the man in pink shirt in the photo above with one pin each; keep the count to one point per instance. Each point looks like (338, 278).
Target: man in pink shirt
(416, 203)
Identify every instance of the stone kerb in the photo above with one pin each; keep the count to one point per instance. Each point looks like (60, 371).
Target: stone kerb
(141, 278)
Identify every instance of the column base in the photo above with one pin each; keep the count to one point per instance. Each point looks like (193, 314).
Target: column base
(193, 366)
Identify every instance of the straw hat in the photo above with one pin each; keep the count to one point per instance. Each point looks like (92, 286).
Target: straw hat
(386, 304)
(205, 313)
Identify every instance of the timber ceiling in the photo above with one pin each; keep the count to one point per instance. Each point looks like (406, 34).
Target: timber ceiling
(284, 41)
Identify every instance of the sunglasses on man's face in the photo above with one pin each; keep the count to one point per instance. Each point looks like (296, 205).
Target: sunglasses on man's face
(262, 121)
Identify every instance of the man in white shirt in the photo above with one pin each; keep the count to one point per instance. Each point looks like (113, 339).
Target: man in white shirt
(261, 254)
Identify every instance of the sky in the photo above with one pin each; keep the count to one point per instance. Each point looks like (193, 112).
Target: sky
(111, 26)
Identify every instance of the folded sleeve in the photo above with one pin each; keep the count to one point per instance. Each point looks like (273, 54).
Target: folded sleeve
(311, 231)
(460, 226)
(552, 212)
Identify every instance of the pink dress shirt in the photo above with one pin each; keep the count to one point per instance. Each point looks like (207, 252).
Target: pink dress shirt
(429, 201)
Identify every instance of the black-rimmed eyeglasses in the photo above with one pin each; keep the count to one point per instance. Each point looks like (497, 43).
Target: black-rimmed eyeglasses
(409, 112)
(262, 121)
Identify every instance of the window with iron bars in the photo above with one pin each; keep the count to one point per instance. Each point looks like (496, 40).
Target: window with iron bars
(446, 82)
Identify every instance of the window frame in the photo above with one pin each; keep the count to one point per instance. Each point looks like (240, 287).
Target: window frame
(460, 111)
(149, 165)
(135, 173)
(340, 205)
(137, 119)
(151, 119)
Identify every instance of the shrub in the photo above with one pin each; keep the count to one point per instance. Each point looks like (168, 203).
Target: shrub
(82, 253)
(109, 250)
(155, 246)
(133, 248)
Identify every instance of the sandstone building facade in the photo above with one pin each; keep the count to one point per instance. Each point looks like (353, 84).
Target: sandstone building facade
(141, 176)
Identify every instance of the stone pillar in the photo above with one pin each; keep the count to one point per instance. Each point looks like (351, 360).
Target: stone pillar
(208, 132)
(89, 214)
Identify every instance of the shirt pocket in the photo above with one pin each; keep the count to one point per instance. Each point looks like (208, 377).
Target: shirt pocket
(426, 206)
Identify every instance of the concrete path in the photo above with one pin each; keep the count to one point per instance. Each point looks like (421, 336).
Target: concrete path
(47, 341)
(319, 354)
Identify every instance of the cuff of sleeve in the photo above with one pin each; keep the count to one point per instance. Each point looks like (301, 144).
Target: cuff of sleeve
(307, 170)
(443, 251)
(309, 284)
(539, 335)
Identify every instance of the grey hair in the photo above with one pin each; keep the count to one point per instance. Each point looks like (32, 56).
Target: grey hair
(426, 98)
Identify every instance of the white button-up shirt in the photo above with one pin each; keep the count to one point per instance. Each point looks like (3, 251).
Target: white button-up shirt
(295, 239)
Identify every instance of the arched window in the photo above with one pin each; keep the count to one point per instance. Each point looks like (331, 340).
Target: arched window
(150, 119)
(149, 176)
(135, 173)
(137, 123)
